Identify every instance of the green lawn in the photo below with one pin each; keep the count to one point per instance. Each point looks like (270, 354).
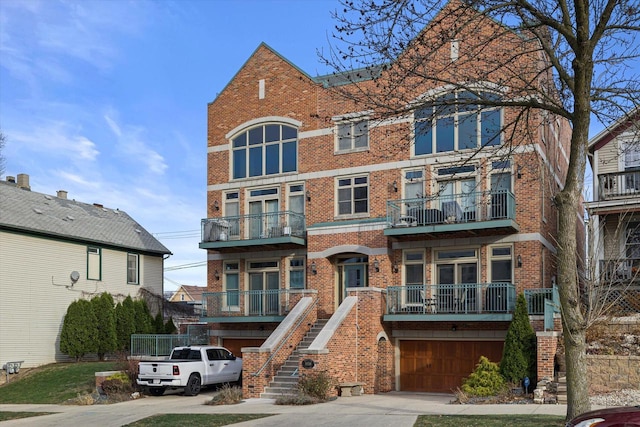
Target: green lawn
(489, 421)
(55, 383)
(188, 420)
(6, 416)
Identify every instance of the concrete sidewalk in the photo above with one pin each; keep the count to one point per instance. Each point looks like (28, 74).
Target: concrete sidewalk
(397, 409)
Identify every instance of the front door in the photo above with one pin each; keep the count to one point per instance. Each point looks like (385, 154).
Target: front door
(352, 273)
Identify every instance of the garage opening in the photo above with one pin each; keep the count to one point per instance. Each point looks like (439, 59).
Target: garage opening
(234, 345)
(440, 366)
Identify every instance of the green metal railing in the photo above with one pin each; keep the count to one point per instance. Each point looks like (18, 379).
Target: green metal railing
(275, 302)
(467, 298)
(255, 226)
(451, 209)
(156, 344)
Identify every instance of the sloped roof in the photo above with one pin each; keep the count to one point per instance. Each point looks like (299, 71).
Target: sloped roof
(632, 119)
(195, 292)
(40, 214)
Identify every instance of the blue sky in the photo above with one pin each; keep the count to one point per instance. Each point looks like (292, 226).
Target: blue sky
(107, 99)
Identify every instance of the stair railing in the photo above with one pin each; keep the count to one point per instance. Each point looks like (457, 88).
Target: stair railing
(284, 340)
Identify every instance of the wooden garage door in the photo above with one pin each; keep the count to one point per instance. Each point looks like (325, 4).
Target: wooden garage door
(234, 345)
(440, 366)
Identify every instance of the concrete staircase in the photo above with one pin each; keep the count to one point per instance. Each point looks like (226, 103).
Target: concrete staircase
(285, 382)
(561, 388)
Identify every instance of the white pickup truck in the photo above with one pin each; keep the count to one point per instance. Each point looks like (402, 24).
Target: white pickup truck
(190, 368)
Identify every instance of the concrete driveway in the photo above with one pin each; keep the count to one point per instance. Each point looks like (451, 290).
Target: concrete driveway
(397, 409)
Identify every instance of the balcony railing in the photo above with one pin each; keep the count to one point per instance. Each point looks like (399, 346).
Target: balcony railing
(237, 304)
(451, 209)
(619, 270)
(536, 299)
(619, 184)
(253, 226)
(468, 298)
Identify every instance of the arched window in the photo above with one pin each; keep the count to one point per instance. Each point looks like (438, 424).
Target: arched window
(268, 149)
(454, 121)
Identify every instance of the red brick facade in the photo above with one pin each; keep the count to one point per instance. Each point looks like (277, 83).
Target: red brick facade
(269, 89)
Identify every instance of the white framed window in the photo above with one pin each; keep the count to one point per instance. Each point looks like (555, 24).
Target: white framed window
(268, 149)
(457, 193)
(231, 285)
(94, 263)
(352, 196)
(264, 284)
(231, 212)
(454, 121)
(352, 134)
(264, 221)
(133, 269)
(295, 206)
(414, 280)
(501, 264)
(297, 273)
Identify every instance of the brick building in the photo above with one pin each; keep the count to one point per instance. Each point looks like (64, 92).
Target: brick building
(402, 239)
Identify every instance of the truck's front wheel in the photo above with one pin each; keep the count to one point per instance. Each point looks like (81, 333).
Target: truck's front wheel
(193, 385)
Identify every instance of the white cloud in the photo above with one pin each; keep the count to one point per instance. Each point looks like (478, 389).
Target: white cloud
(56, 139)
(131, 145)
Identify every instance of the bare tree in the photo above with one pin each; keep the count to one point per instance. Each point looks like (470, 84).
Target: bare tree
(573, 61)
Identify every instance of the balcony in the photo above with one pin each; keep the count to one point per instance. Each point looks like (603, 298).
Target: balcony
(284, 229)
(620, 271)
(448, 302)
(470, 213)
(250, 306)
(618, 185)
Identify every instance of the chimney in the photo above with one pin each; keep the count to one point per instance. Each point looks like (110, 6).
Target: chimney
(98, 205)
(23, 181)
(62, 194)
(11, 179)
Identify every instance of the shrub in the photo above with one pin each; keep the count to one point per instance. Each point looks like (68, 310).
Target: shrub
(79, 330)
(318, 385)
(116, 386)
(298, 399)
(125, 323)
(519, 355)
(227, 395)
(104, 310)
(130, 368)
(485, 380)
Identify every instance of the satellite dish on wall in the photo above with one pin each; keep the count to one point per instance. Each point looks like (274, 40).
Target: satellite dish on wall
(74, 276)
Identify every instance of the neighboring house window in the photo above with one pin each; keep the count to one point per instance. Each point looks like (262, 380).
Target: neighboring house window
(455, 122)
(633, 241)
(296, 273)
(94, 263)
(265, 150)
(414, 276)
(353, 134)
(353, 195)
(133, 271)
(232, 284)
(181, 297)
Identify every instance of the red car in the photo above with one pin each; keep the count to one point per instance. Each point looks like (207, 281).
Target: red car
(624, 416)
